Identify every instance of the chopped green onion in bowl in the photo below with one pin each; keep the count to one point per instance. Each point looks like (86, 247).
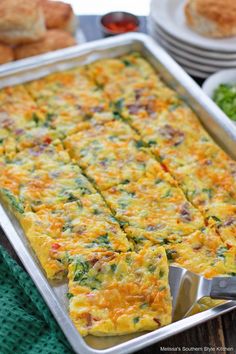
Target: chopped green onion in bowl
(225, 97)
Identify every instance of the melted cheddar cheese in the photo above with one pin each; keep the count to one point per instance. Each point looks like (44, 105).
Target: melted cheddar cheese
(102, 165)
(114, 294)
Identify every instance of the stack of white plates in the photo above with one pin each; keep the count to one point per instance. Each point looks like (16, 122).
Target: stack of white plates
(199, 56)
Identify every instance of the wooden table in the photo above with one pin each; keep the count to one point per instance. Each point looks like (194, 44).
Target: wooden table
(210, 337)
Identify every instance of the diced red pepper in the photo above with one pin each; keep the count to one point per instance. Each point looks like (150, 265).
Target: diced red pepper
(55, 246)
(47, 140)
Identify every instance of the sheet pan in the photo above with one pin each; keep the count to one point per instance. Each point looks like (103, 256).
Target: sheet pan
(214, 120)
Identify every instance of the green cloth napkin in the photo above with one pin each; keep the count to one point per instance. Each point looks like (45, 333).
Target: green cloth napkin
(26, 324)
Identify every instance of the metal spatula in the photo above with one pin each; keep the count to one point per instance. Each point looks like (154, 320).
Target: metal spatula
(187, 288)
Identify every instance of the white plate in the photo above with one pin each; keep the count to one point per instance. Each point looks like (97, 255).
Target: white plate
(169, 14)
(191, 71)
(220, 64)
(194, 61)
(221, 77)
(192, 56)
(194, 65)
(190, 49)
(196, 73)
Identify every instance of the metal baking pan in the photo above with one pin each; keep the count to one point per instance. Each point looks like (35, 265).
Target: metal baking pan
(217, 124)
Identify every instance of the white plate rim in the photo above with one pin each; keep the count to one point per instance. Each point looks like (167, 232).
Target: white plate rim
(188, 47)
(191, 71)
(196, 73)
(160, 12)
(218, 64)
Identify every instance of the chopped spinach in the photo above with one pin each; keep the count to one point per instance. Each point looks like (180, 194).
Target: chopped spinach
(127, 62)
(208, 191)
(67, 226)
(221, 253)
(35, 118)
(144, 305)
(116, 115)
(161, 273)
(81, 269)
(174, 106)
(215, 218)
(158, 180)
(171, 254)
(102, 241)
(162, 288)
(140, 144)
(15, 202)
(167, 194)
(136, 319)
(113, 267)
(151, 268)
(71, 197)
(225, 98)
(152, 142)
(119, 104)
(126, 181)
(139, 239)
(49, 117)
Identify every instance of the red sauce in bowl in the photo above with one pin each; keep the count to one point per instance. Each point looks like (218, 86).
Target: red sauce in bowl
(119, 22)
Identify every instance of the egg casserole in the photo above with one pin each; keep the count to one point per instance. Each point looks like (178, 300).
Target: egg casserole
(113, 177)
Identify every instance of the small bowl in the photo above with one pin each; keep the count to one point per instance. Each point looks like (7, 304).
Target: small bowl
(119, 22)
(227, 76)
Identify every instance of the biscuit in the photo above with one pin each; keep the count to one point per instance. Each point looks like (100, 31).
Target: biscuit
(212, 18)
(54, 39)
(59, 15)
(21, 21)
(6, 54)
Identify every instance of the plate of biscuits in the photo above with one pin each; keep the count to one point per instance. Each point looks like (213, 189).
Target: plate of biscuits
(33, 27)
(199, 34)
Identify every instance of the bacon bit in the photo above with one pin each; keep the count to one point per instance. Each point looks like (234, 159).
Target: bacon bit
(197, 248)
(138, 93)
(172, 134)
(185, 213)
(96, 319)
(149, 108)
(37, 151)
(97, 109)
(113, 190)
(155, 227)
(134, 108)
(207, 162)
(80, 229)
(7, 123)
(231, 220)
(110, 256)
(19, 131)
(94, 261)
(165, 168)
(47, 140)
(229, 246)
(157, 321)
(89, 319)
(55, 246)
(103, 163)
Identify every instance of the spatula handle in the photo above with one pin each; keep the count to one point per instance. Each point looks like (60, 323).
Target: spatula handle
(223, 288)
